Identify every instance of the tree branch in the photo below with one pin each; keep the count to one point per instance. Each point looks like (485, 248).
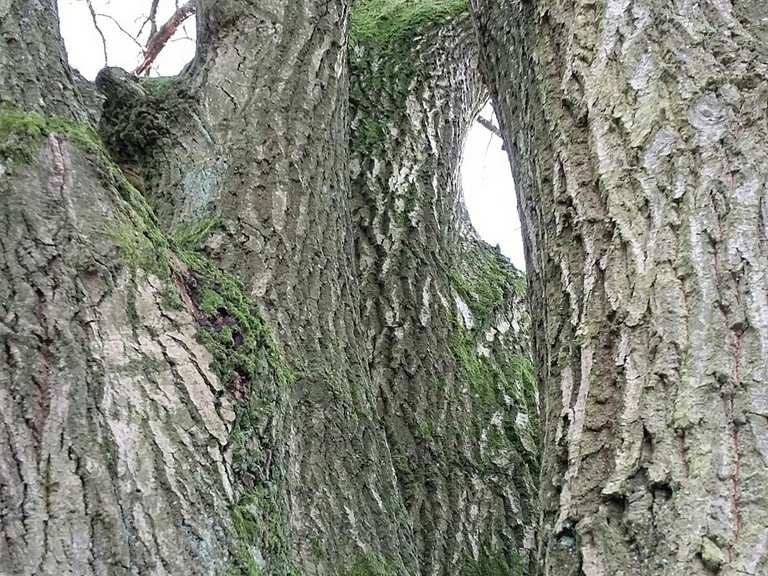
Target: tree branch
(151, 19)
(490, 126)
(98, 29)
(123, 30)
(158, 40)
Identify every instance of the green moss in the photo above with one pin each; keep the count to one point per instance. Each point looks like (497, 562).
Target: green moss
(140, 247)
(222, 298)
(158, 86)
(426, 430)
(192, 235)
(521, 368)
(501, 381)
(246, 525)
(136, 233)
(245, 356)
(249, 364)
(254, 519)
(211, 302)
(251, 368)
(22, 133)
(495, 565)
(520, 284)
(488, 282)
(170, 297)
(497, 378)
(392, 22)
(482, 374)
(371, 565)
(140, 241)
(370, 133)
(383, 70)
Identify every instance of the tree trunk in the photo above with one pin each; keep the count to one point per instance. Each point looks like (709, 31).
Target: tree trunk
(637, 136)
(267, 155)
(116, 429)
(155, 424)
(442, 311)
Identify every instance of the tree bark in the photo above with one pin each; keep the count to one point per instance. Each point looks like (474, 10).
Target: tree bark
(443, 312)
(267, 155)
(116, 430)
(192, 380)
(637, 136)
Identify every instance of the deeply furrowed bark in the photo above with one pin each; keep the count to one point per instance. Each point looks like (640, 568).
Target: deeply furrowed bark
(637, 135)
(276, 129)
(271, 90)
(116, 431)
(442, 311)
(152, 425)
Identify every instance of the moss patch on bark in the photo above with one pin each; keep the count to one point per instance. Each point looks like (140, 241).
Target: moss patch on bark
(136, 233)
(497, 565)
(251, 367)
(382, 34)
(22, 133)
(386, 22)
(495, 365)
(370, 565)
(158, 86)
(488, 283)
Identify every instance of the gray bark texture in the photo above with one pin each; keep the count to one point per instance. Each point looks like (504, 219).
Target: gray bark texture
(638, 140)
(444, 314)
(114, 428)
(220, 355)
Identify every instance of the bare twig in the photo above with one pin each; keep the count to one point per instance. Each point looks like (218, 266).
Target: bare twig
(151, 20)
(123, 30)
(153, 17)
(159, 39)
(184, 26)
(490, 126)
(96, 25)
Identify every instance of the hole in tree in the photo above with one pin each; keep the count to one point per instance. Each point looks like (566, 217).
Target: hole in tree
(489, 190)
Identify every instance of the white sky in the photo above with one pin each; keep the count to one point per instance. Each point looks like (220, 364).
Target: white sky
(488, 185)
(489, 191)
